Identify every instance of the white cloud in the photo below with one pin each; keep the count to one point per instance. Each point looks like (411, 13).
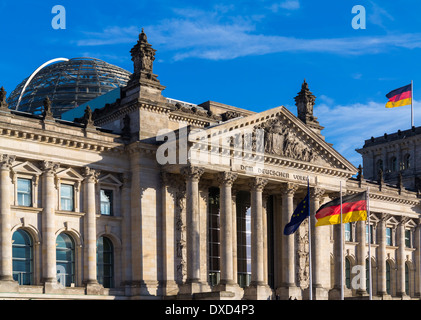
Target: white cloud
(199, 34)
(378, 14)
(347, 127)
(289, 5)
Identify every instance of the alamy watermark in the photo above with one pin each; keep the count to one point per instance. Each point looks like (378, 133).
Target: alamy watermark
(358, 21)
(59, 20)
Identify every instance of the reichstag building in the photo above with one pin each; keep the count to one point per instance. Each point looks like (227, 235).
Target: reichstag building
(110, 190)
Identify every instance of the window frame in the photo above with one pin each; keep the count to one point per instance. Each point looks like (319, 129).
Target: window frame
(61, 196)
(111, 202)
(30, 193)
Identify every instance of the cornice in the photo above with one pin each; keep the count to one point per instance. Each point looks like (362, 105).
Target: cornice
(65, 140)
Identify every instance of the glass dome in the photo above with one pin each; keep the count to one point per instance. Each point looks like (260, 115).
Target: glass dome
(68, 84)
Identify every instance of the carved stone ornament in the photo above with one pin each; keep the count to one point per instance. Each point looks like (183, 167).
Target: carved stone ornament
(47, 113)
(91, 174)
(6, 161)
(3, 94)
(87, 118)
(50, 166)
(258, 184)
(280, 140)
(191, 172)
(289, 189)
(227, 178)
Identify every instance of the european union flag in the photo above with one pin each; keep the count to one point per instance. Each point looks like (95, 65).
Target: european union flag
(301, 212)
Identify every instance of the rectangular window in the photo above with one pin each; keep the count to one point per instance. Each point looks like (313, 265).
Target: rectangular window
(389, 236)
(67, 197)
(106, 202)
(367, 233)
(24, 192)
(408, 238)
(348, 233)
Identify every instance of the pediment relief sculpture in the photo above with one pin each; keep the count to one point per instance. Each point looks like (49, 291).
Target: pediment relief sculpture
(280, 140)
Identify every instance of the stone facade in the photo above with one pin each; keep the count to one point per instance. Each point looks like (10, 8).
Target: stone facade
(155, 218)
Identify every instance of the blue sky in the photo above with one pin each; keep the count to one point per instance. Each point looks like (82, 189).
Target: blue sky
(252, 54)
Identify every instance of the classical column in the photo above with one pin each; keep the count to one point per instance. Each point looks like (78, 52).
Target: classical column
(381, 256)
(417, 260)
(258, 289)
(48, 224)
(226, 180)
(361, 255)
(265, 198)
(91, 281)
(192, 175)
(6, 270)
(168, 235)
(288, 287)
(320, 256)
(126, 226)
(400, 290)
(234, 235)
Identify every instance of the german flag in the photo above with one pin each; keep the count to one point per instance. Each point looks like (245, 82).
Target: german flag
(400, 97)
(354, 208)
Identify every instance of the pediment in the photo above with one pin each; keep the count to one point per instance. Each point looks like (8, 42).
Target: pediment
(392, 220)
(26, 167)
(280, 138)
(70, 174)
(110, 179)
(411, 224)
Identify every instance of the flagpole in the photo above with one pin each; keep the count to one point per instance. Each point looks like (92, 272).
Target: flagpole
(412, 103)
(310, 269)
(342, 249)
(370, 280)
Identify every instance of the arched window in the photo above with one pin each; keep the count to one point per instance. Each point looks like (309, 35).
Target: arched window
(347, 273)
(22, 257)
(105, 262)
(387, 277)
(65, 257)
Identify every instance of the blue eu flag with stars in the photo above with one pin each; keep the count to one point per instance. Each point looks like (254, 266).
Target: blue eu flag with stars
(301, 212)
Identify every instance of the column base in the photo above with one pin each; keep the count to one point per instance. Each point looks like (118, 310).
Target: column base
(188, 289)
(169, 288)
(383, 296)
(7, 284)
(403, 296)
(335, 293)
(258, 292)
(94, 288)
(142, 289)
(289, 292)
(319, 293)
(229, 287)
(53, 286)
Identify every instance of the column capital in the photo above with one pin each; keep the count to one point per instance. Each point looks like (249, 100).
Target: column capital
(192, 172)
(50, 167)
(383, 217)
(258, 184)
(317, 193)
(6, 161)
(289, 189)
(226, 178)
(91, 175)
